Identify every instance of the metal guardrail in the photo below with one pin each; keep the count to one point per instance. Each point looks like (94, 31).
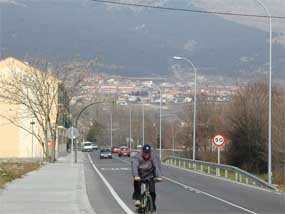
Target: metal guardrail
(221, 170)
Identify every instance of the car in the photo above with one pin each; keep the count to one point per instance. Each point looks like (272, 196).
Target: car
(105, 154)
(124, 151)
(134, 153)
(115, 149)
(87, 147)
(94, 146)
(123, 103)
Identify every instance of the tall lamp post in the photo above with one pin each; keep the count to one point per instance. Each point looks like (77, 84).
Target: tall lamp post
(111, 125)
(143, 122)
(32, 123)
(111, 128)
(160, 140)
(195, 102)
(130, 134)
(76, 124)
(270, 93)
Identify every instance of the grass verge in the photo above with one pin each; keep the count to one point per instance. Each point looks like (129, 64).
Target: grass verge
(11, 171)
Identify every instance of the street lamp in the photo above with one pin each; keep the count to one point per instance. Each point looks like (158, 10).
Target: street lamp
(130, 137)
(143, 122)
(111, 125)
(173, 140)
(76, 123)
(195, 102)
(160, 142)
(172, 129)
(32, 123)
(270, 93)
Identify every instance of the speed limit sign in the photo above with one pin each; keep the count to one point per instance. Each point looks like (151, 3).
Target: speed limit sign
(219, 140)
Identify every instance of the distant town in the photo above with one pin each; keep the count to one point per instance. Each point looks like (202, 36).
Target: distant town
(134, 89)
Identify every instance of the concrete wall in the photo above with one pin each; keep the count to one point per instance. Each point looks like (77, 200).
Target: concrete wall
(15, 142)
(9, 133)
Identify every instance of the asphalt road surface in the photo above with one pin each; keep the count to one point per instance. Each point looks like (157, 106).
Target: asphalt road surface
(110, 185)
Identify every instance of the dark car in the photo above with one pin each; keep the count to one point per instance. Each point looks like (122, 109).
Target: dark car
(105, 154)
(124, 151)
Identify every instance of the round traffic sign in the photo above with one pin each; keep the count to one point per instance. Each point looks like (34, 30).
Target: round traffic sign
(72, 133)
(219, 140)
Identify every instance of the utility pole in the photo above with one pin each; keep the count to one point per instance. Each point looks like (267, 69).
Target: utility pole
(173, 141)
(143, 123)
(160, 145)
(269, 92)
(130, 128)
(195, 102)
(111, 128)
(32, 123)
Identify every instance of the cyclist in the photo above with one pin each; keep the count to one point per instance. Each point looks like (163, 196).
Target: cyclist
(145, 166)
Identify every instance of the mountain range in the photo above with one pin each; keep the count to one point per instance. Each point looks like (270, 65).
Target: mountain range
(135, 41)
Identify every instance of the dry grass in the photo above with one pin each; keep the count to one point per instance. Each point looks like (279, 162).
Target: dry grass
(11, 171)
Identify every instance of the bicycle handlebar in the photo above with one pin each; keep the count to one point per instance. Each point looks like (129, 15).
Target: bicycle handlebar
(154, 179)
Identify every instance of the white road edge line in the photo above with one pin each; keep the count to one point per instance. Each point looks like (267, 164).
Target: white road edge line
(221, 178)
(213, 176)
(112, 191)
(202, 192)
(212, 196)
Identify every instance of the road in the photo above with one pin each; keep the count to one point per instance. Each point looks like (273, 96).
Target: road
(109, 187)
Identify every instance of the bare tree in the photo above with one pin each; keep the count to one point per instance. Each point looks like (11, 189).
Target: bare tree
(247, 127)
(44, 93)
(36, 93)
(74, 76)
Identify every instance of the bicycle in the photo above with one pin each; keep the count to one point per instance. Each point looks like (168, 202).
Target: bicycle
(146, 205)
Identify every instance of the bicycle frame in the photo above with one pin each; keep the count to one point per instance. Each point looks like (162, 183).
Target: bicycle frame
(146, 206)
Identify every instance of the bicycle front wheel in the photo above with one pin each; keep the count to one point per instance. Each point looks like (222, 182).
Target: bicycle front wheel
(148, 205)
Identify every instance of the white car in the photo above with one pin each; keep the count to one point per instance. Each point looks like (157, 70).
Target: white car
(124, 104)
(94, 146)
(87, 147)
(134, 153)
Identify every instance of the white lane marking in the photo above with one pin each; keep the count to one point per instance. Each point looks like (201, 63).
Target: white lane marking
(201, 192)
(128, 162)
(221, 178)
(209, 195)
(112, 191)
(115, 169)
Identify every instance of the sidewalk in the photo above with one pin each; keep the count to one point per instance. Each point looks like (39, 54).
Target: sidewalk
(57, 188)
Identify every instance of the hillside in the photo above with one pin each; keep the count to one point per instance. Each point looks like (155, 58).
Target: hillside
(134, 41)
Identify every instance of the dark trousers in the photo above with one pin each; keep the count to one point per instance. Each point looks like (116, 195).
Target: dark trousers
(137, 191)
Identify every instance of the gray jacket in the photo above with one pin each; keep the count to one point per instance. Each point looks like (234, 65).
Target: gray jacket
(146, 169)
